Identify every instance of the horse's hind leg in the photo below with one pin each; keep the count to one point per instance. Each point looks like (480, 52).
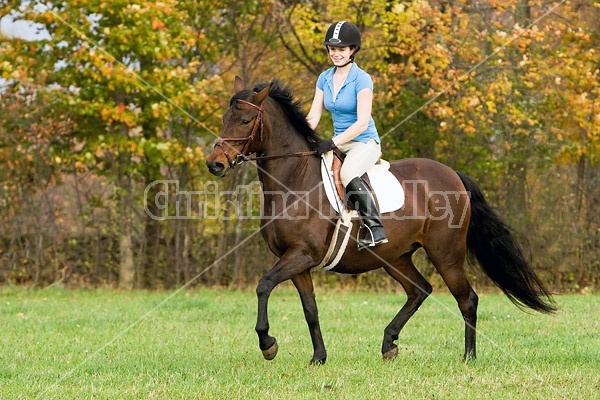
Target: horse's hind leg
(417, 289)
(450, 266)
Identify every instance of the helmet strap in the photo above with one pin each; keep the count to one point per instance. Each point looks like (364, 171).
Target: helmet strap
(349, 62)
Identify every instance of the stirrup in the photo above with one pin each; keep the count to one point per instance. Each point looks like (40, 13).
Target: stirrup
(369, 240)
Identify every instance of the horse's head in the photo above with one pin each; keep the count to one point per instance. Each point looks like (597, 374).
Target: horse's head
(242, 132)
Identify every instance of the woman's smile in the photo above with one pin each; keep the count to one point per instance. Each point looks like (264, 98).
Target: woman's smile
(340, 55)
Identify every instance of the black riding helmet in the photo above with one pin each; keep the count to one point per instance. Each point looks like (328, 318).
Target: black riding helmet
(343, 34)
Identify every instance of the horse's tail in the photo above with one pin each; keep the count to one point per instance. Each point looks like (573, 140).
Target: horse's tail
(489, 238)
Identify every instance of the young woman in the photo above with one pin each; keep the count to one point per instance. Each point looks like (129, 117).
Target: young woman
(346, 91)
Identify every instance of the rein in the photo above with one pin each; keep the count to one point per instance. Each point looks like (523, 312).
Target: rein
(258, 127)
(274, 157)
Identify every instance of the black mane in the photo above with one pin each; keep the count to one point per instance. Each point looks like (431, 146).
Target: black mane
(291, 108)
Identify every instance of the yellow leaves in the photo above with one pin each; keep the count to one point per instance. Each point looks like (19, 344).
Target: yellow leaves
(106, 70)
(163, 146)
(47, 17)
(442, 111)
(581, 99)
(524, 61)
(18, 74)
(192, 66)
(120, 114)
(399, 8)
(557, 133)
(528, 84)
(473, 102)
(165, 6)
(468, 126)
(155, 110)
(490, 105)
(128, 119)
(134, 148)
(79, 166)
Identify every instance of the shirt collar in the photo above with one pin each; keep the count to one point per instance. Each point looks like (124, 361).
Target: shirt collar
(352, 75)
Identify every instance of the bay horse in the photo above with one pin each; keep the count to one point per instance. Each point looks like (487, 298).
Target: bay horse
(445, 213)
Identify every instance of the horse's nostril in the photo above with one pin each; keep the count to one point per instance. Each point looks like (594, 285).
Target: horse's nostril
(215, 168)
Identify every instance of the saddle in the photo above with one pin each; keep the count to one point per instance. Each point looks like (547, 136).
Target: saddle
(386, 189)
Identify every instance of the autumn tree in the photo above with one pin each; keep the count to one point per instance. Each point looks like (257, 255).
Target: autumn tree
(121, 70)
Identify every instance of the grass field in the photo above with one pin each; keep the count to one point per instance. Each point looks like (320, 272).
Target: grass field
(200, 344)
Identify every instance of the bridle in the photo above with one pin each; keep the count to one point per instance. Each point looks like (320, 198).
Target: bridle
(256, 129)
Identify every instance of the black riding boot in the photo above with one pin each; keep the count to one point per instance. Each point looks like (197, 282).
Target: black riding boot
(362, 201)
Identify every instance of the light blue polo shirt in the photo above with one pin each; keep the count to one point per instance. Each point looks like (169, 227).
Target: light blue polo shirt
(343, 107)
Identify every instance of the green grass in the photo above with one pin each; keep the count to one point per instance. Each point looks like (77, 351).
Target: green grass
(200, 344)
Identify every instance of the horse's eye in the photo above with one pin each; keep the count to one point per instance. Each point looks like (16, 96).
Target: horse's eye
(245, 122)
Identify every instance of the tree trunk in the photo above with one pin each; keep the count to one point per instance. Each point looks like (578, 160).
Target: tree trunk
(126, 260)
(126, 263)
(516, 199)
(125, 198)
(149, 269)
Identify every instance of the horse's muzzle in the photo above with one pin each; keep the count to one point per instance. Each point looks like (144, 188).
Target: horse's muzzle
(217, 168)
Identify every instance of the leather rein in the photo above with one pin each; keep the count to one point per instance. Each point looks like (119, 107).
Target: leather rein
(258, 128)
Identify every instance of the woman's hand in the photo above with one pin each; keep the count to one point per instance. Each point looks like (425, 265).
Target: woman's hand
(323, 146)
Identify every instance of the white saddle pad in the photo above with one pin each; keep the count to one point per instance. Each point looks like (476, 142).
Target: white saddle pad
(387, 188)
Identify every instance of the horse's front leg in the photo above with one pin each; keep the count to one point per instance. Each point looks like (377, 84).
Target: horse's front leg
(304, 284)
(289, 265)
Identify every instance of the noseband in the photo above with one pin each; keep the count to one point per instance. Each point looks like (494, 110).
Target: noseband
(258, 128)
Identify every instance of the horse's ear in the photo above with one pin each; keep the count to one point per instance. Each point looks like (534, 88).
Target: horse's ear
(238, 86)
(262, 95)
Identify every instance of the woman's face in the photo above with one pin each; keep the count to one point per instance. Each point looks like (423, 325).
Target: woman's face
(340, 56)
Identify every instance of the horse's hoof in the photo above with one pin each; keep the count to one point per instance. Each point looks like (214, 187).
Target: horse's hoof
(271, 352)
(318, 361)
(391, 353)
